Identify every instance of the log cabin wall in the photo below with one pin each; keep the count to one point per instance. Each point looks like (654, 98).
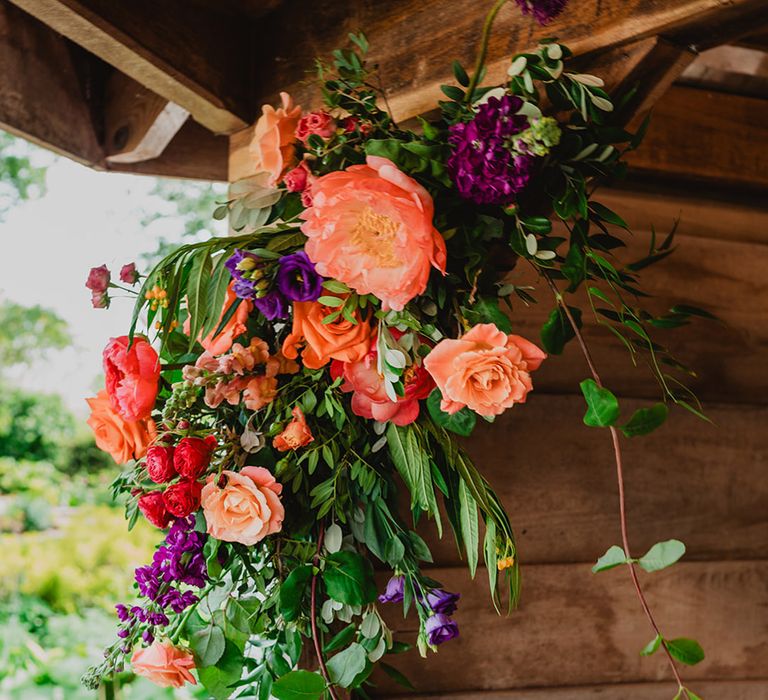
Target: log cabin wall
(108, 83)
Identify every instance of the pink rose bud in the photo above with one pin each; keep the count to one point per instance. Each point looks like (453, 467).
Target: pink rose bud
(128, 274)
(319, 123)
(98, 279)
(296, 180)
(100, 300)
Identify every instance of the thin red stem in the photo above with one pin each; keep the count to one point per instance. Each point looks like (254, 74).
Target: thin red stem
(620, 479)
(313, 615)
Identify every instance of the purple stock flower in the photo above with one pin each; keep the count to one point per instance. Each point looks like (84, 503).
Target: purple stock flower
(442, 601)
(394, 590)
(543, 11)
(440, 628)
(482, 165)
(272, 305)
(297, 279)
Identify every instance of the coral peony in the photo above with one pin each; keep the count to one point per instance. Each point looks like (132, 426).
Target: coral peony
(152, 507)
(243, 507)
(159, 464)
(370, 399)
(274, 138)
(296, 434)
(486, 370)
(193, 455)
(164, 664)
(123, 440)
(339, 340)
(132, 374)
(182, 498)
(370, 227)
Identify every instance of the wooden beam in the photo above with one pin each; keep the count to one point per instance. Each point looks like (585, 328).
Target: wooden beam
(575, 628)
(138, 123)
(38, 103)
(733, 69)
(196, 57)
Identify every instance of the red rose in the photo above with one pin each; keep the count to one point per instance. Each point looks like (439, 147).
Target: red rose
(182, 498)
(159, 464)
(320, 123)
(193, 455)
(298, 179)
(153, 508)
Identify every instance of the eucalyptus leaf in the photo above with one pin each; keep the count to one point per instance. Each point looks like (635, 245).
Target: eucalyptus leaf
(613, 557)
(345, 666)
(661, 555)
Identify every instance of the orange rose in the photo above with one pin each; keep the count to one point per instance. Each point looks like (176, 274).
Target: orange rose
(123, 440)
(370, 226)
(164, 664)
(340, 340)
(246, 508)
(221, 343)
(296, 433)
(486, 370)
(274, 137)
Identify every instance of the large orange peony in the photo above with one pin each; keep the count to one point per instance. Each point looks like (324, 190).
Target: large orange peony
(274, 138)
(486, 370)
(243, 506)
(370, 227)
(164, 664)
(123, 440)
(132, 373)
(339, 340)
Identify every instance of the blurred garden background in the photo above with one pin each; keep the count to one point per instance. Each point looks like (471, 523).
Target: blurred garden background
(66, 557)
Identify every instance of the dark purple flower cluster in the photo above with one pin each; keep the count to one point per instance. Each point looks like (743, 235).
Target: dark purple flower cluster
(482, 165)
(178, 561)
(296, 279)
(543, 11)
(439, 626)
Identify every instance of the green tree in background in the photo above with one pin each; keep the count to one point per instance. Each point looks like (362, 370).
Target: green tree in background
(19, 178)
(27, 332)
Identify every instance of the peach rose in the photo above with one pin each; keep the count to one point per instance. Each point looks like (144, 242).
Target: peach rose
(222, 342)
(296, 434)
(486, 370)
(339, 340)
(164, 664)
(123, 440)
(370, 227)
(245, 508)
(132, 373)
(274, 137)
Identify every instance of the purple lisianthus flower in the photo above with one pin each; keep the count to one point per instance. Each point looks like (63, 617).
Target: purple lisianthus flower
(442, 601)
(440, 628)
(394, 590)
(272, 305)
(297, 279)
(482, 165)
(543, 11)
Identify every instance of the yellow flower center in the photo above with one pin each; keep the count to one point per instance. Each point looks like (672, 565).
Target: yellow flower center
(376, 234)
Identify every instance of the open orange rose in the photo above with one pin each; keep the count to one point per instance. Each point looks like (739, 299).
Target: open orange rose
(132, 371)
(296, 434)
(243, 506)
(123, 440)
(222, 342)
(274, 137)
(339, 340)
(164, 664)
(370, 226)
(486, 370)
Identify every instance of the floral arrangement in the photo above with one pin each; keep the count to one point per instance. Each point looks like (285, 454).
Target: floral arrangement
(298, 377)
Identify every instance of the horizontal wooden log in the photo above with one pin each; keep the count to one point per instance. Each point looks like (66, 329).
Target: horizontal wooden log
(577, 628)
(702, 483)
(732, 690)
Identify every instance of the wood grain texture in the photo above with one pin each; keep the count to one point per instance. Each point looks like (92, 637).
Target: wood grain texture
(576, 628)
(29, 87)
(702, 483)
(193, 54)
(725, 690)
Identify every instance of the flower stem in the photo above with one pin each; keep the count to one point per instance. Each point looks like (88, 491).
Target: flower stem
(480, 62)
(313, 615)
(620, 480)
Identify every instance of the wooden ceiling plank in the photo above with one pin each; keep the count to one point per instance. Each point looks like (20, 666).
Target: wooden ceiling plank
(197, 60)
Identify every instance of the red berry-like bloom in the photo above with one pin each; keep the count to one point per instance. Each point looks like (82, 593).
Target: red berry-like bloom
(159, 464)
(182, 498)
(193, 455)
(153, 508)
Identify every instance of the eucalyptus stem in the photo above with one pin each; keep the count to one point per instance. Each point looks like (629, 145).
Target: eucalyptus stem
(313, 615)
(483, 52)
(620, 480)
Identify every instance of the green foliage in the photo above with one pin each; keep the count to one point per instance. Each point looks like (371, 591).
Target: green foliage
(348, 578)
(299, 685)
(686, 651)
(20, 177)
(27, 332)
(602, 405)
(614, 556)
(662, 555)
(645, 420)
